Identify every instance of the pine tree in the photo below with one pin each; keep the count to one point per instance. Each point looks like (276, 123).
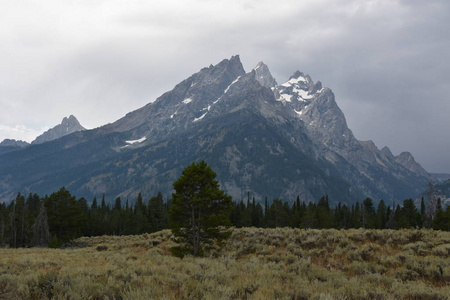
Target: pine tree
(381, 217)
(198, 209)
(66, 219)
(309, 217)
(423, 214)
(323, 213)
(368, 213)
(410, 213)
(2, 223)
(117, 218)
(140, 220)
(356, 216)
(442, 219)
(157, 214)
(94, 203)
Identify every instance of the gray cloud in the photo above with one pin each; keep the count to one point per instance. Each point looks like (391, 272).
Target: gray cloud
(386, 61)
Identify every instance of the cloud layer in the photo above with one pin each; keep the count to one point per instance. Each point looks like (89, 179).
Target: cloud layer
(387, 61)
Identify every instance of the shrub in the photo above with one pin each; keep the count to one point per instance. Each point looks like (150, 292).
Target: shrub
(101, 248)
(335, 266)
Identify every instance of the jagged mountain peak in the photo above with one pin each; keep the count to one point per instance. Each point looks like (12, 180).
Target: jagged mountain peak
(264, 76)
(68, 125)
(407, 160)
(186, 104)
(298, 89)
(386, 151)
(230, 66)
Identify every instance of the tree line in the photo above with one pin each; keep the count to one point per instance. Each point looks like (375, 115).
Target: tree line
(57, 219)
(321, 215)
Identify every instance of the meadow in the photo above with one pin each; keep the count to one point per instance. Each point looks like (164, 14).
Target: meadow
(254, 263)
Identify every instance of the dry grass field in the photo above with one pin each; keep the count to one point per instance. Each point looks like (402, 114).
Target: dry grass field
(255, 263)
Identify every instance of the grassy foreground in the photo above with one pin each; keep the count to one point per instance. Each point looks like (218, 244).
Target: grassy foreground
(255, 263)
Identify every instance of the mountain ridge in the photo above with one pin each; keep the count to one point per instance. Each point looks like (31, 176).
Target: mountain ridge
(276, 141)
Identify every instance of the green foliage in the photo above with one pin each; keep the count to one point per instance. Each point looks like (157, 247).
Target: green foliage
(157, 213)
(199, 208)
(442, 220)
(20, 228)
(66, 219)
(54, 242)
(24, 223)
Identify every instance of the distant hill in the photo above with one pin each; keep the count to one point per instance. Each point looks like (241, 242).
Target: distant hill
(9, 145)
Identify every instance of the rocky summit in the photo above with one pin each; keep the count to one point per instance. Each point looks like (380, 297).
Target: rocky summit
(68, 125)
(272, 140)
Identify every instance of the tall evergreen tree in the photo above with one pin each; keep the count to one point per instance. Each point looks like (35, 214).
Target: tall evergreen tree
(442, 219)
(94, 204)
(368, 213)
(356, 216)
(381, 216)
(323, 213)
(423, 213)
(117, 218)
(410, 213)
(2, 224)
(198, 208)
(66, 219)
(19, 224)
(157, 213)
(118, 204)
(310, 216)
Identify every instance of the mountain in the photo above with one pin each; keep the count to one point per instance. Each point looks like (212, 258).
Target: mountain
(68, 125)
(275, 141)
(440, 177)
(8, 145)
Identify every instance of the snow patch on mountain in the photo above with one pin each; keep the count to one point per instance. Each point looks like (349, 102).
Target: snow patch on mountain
(187, 100)
(136, 141)
(285, 97)
(294, 81)
(132, 142)
(298, 112)
(304, 95)
(236, 80)
(199, 118)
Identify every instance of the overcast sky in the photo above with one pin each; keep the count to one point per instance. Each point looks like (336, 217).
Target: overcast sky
(388, 62)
